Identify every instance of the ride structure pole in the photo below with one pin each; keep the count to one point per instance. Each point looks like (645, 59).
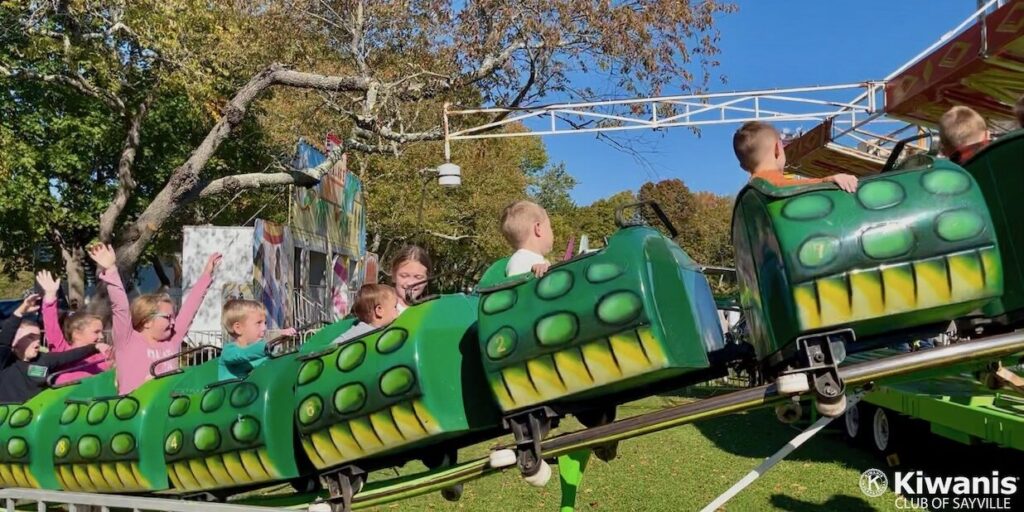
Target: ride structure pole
(770, 462)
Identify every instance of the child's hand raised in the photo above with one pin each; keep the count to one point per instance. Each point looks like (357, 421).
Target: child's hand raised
(540, 269)
(103, 348)
(49, 285)
(103, 255)
(212, 263)
(28, 306)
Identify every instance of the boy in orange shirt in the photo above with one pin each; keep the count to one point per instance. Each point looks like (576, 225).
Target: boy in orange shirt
(759, 149)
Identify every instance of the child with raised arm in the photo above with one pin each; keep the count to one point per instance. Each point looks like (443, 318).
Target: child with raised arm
(246, 323)
(23, 368)
(149, 330)
(758, 147)
(85, 329)
(527, 228)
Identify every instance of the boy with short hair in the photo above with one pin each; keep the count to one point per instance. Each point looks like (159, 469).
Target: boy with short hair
(758, 147)
(527, 228)
(376, 305)
(246, 323)
(962, 133)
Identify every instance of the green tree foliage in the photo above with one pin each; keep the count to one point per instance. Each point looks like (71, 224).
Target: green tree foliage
(123, 120)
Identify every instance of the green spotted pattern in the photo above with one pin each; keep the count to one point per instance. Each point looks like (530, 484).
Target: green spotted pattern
(554, 285)
(880, 194)
(70, 414)
(396, 381)
(21, 417)
(174, 442)
(245, 429)
(499, 301)
(887, 241)
(818, 251)
(122, 444)
(959, 225)
(126, 408)
(349, 398)
(89, 447)
(310, 409)
(391, 340)
(808, 207)
(601, 272)
(557, 329)
(501, 343)
(619, 308)
(351, 356)
(206, 438)
(244, 394)
(63, 447)
(945, 182)
(97, 413)
(178, 406)
(310, 371)
(213, 399)
(3, 413)
(17, 447)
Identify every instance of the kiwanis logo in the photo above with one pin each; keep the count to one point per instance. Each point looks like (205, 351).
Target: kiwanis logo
(916, 490)
(873, 483)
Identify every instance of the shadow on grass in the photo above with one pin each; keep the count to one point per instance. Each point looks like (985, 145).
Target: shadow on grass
(844, 503)
(758, 434)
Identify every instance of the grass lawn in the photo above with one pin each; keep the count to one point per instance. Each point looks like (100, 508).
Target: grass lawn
(685, 468)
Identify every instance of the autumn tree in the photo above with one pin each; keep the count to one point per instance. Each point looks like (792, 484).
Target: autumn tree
(703, 219)
(109, 75)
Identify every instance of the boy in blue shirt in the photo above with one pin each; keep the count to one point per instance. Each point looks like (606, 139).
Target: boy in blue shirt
(246, 323)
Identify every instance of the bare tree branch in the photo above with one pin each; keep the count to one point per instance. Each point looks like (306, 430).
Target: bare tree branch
(256, 180)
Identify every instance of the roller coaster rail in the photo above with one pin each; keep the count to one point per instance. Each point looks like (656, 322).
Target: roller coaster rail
(855, 376)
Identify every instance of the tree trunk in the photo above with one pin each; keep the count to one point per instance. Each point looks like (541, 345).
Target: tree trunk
(158, 268)
(74, 267)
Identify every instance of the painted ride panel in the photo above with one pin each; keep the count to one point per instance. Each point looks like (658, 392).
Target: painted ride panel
(910, 248)
(231, 433)
(413, 383)
(28, 432)
(636, 311)
(999, 171)
(111, 443)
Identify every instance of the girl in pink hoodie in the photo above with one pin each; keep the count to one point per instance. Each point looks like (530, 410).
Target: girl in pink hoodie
(85, 329)
(149, 330)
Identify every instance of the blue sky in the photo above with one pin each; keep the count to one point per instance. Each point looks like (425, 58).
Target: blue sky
(767, 44)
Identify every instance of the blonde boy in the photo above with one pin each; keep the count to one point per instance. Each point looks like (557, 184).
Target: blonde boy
(527, 228)
(376, 305)
(962, 133)
(246, 323)
(758, 147)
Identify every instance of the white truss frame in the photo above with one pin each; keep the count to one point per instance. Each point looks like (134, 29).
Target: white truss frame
(693, 110)
(850, 119)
